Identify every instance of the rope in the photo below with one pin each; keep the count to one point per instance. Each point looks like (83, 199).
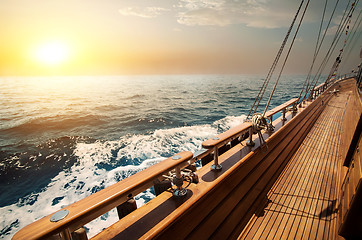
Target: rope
(258, 123)
(272, 68)
(318, 46)
(287, 56)
(337, 36)
(354, 39)
(328, 55)
(326, 58)
(338, 60)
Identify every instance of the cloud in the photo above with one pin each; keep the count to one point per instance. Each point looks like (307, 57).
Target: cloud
(147, 12)
(204, 17)
(253, 13)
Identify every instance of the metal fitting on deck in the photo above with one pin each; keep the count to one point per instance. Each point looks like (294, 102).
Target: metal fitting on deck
(216, 166)
(270, 127)
(250, 142)
(283, 116)
(178, 177)
(295, 108)
(178, 182)
(59, 215)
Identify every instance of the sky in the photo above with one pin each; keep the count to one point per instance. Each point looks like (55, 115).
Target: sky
(118, 37)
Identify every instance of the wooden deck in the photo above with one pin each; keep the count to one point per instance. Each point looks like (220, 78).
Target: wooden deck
(302, 204)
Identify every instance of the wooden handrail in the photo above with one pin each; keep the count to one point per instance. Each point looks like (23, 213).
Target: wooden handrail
(318, 90)
(97, 204)
(319, 86)
(198, 155)
(224, 137)
(281, 107)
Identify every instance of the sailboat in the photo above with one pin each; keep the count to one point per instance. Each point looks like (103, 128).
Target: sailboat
(290, 172)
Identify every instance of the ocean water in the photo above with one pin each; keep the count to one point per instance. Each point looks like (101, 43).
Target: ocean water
(64, 138)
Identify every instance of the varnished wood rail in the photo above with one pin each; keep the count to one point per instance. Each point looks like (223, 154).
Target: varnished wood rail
(318, 90)
(223, 138)
(91, 207)
(87, 209)
(226, 136)
(281, 108)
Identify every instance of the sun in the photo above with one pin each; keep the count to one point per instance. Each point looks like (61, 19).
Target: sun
(52, 53)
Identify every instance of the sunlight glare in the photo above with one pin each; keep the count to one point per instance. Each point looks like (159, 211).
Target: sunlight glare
(52, 53)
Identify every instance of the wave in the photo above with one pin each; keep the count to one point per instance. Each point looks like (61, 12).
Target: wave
(99, 164)
(44, 161)
(58, 122)
(135, 96)
(109, 108)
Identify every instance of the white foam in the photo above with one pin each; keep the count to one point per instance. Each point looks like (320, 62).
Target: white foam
(86, 176)
(230, 122)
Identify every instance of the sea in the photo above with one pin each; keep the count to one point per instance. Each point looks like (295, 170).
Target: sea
(65, 138)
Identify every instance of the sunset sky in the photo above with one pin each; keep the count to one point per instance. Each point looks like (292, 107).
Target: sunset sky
(114, 37)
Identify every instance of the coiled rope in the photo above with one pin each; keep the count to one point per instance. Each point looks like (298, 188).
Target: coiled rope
(258, 123)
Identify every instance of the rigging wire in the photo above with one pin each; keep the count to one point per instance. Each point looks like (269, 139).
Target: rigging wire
(342, 25)
(338, 60)
(287, 56)
(353, 38)
(307, 81)
(328, 54)
(272, 68)
(308, 84)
